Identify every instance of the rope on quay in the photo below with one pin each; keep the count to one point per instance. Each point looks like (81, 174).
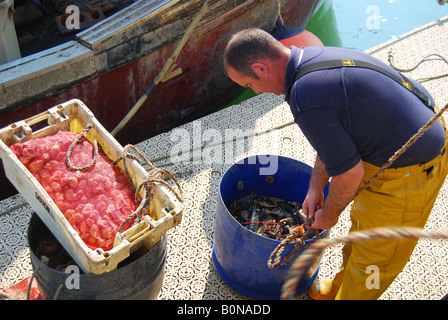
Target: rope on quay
(307, 258)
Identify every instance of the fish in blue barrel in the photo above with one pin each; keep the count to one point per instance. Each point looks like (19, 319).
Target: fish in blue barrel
(270, 217)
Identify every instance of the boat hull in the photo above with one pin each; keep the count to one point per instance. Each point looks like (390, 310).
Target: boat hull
(113, 70)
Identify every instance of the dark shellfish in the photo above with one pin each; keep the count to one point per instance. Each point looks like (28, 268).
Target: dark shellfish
(270, 217)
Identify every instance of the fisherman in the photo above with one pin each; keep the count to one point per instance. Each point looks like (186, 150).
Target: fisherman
(356, 112)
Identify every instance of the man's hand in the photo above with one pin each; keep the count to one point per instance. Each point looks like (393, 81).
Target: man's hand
(324, 221)
(313, 201)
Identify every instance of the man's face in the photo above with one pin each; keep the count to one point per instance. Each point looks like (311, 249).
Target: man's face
(263, 84)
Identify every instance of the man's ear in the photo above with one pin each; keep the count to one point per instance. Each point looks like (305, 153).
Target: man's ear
(260, 69)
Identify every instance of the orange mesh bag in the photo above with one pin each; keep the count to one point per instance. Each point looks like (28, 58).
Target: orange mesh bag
(95, 201)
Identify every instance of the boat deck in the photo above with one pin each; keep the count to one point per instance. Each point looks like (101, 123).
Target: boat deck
(264, 125)
(37, 31)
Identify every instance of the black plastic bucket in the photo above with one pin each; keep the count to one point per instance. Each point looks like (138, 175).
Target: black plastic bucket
(240, 255)
(139, 280)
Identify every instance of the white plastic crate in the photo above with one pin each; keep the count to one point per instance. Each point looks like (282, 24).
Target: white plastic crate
(165, 210)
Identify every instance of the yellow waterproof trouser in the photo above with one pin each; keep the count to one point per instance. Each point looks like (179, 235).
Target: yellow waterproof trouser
(398, 197)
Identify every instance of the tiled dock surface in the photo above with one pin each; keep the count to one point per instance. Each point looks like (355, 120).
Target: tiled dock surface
(264, 125)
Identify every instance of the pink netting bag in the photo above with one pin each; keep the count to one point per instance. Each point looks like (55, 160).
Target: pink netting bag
(96, 200)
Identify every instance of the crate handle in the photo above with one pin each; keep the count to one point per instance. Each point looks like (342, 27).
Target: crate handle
(52, 117)
(150, 229)
(23, 130)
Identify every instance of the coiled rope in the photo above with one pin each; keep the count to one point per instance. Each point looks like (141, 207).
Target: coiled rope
(293, 236)
(81, 136)
(154, 176)
(308, 256)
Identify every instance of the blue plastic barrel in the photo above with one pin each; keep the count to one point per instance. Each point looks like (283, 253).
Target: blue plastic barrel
(240, 256)
(139, 280)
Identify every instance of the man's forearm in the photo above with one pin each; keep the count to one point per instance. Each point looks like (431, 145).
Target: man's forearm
(343, 189)
(319, 176)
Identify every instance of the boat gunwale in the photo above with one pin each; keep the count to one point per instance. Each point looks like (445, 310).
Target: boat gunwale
(30, 68)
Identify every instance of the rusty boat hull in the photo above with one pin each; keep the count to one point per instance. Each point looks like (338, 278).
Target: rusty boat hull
(110, 65)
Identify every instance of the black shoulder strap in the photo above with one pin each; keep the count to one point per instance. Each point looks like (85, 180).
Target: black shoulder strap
(339, 63)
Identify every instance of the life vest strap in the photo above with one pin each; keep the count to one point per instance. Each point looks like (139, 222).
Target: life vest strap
(340, 63)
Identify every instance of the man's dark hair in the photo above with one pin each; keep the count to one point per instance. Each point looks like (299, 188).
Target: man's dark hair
(248, 45)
